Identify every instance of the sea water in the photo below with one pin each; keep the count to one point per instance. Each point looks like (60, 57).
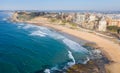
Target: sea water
(27, 48)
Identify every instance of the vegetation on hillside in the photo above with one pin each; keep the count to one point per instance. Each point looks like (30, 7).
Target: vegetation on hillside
(28, 16)
(113, 29)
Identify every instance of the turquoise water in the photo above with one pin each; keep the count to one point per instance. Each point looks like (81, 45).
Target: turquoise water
(26, 48)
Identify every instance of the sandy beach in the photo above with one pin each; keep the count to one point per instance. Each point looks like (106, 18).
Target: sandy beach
(109, 48)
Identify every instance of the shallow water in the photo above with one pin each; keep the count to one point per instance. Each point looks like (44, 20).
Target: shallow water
(27, 48)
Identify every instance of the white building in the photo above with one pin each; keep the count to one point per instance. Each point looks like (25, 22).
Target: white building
(92, 18)
(102, 25)
(80, 18)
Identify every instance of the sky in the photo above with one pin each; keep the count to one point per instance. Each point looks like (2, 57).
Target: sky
(59, 4)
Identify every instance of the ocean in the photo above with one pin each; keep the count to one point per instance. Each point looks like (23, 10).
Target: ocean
(28, 48)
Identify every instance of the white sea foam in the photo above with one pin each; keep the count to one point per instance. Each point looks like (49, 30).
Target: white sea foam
(72, 58)
(47, 71)
(38, 33)
(4, 19)
(54, 68)
(96, 51)
(42, 28)
(27, 26)
(51, 33)
(74, 46)
(43, 31)
(19, 27)
(21, 24)
(87, 59)
(57, 36)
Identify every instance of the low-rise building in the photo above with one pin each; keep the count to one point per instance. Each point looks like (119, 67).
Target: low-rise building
(114, 22)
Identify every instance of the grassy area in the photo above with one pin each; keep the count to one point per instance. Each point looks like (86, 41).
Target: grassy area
(24, 17)
(73, 25)
(53, 20)
(113, 28)
(27, 16)
(64, 22)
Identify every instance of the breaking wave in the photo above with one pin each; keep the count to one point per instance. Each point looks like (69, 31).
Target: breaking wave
(38, 33)
(4, 19)
(72, 58)
(87, 59)
(74, 46)
(43, 32)
(47, 71)
(28, 26)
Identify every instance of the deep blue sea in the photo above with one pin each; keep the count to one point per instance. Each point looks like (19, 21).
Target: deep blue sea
(27, 48)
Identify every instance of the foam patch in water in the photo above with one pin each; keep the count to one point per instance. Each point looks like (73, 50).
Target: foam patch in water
(43, 31)
(87, 59)
(74, 46)
(47, 71)
(27, 26)
(4, 19)
(38, 33)
(72, 58)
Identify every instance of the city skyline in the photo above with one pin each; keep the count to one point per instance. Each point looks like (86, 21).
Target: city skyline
(60, 5)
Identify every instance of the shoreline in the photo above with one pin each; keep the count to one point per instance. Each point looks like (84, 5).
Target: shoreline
(98, 63)
(110, 49)
(114, 65)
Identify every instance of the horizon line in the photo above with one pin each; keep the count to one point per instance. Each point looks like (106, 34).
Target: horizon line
(55, 10)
